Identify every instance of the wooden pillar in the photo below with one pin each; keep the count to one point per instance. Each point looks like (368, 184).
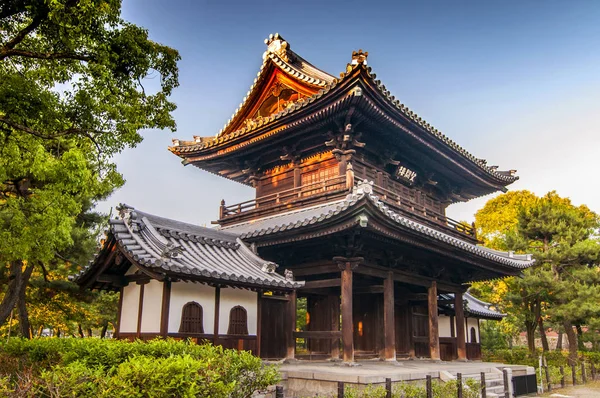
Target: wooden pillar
(347, 265)
(434, 336)
(258, 322)
(164, 311)
(388, 318)
(411, 340)
(138, 332)
(217, 314)
(335, 325)
(461, 346)
(291, 327)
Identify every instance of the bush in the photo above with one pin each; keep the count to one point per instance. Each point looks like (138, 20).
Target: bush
(111, 368)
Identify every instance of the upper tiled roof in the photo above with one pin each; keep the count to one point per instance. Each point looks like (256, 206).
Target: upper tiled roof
(319, 213)
(310, 74)
(475, 306)
(185, 249)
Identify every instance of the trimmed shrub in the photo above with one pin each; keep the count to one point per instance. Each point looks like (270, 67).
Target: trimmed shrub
(118, 368)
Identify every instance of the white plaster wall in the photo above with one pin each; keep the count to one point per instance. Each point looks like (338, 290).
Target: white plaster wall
(129, 310)
(230, 298)
(444, 326)
(182, 293)
(151, 311)
(472, 323)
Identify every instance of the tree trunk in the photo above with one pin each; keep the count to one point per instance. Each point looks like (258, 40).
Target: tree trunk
(17, 280)
(103, 331)
(580, 345)
(545, 345)
(559, 342)
(80, 330)
(24, 324)
(530, 328)
(58, 332)
(89, 332)
(572, 338)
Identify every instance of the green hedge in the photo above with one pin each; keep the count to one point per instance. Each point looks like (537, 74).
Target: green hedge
(471, 389)
(53, 367)
(521, 356)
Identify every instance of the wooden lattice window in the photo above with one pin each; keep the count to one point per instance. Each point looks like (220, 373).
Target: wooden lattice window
(238, 321)
(473, 335)
(191, 318)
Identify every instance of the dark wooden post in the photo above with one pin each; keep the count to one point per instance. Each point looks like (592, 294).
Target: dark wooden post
(506, 381)
(347, 265)
(434, 336)
(562, 377)
(461, 346)
(164, 311)
(574, 374)
(428, 386)
(340, 389)
(335, 325)
(291, 327)
(583, 375)
(483, 386)
(548, 378)
(279, 392)
(388, 318)
(459, 385)
(388, 388)
(217, 315)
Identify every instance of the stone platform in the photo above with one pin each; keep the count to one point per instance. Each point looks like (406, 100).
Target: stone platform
(312, 378)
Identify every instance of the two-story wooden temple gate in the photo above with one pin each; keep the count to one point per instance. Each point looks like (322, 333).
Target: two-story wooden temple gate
(351, 190)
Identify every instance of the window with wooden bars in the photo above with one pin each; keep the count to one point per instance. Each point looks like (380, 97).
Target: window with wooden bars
(238, 321)
(473, 335)
(191, 318)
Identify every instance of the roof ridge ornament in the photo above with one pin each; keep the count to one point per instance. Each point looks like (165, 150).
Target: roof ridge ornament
(359, 57)
(278, 46)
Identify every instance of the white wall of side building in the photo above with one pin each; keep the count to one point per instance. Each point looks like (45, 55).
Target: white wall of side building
(129, 309)
(444, 325)
(152, 307)
(230, 298)
(472, 323)
(181, 294)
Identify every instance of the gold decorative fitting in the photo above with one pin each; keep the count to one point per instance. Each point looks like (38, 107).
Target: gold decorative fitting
(359, 57)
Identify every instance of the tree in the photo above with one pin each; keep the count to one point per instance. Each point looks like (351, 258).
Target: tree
(563, 286)
(567, 251)
(72, 94)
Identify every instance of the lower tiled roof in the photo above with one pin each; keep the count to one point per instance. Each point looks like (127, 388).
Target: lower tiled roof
(162, 244)
(475, 307)
(319, 213)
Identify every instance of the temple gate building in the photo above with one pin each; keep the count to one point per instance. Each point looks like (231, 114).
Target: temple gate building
(351, 190)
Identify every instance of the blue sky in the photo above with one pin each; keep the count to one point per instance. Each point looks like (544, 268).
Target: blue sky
(515, 82)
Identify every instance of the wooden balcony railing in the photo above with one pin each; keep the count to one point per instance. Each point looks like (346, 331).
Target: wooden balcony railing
(304, 193)
(336, 187)
(413, 209)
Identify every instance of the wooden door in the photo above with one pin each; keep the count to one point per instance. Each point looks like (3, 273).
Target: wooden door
(272, 328)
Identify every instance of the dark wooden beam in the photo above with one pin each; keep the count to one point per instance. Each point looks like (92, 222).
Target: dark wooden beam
(258, 322)
(388, 318)
(321, 284)
(115, 280)
(316, 270)
(319, 334)
(434, 336)
(375, 289)
(461, 346)
(164, 311)
(119, 311)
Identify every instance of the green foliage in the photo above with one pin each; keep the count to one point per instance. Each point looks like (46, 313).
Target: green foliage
(77, 84)
(159, 368)
(493, 335)
(440, 389)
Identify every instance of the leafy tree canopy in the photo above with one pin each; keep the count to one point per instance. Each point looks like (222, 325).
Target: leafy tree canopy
(77, 84)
